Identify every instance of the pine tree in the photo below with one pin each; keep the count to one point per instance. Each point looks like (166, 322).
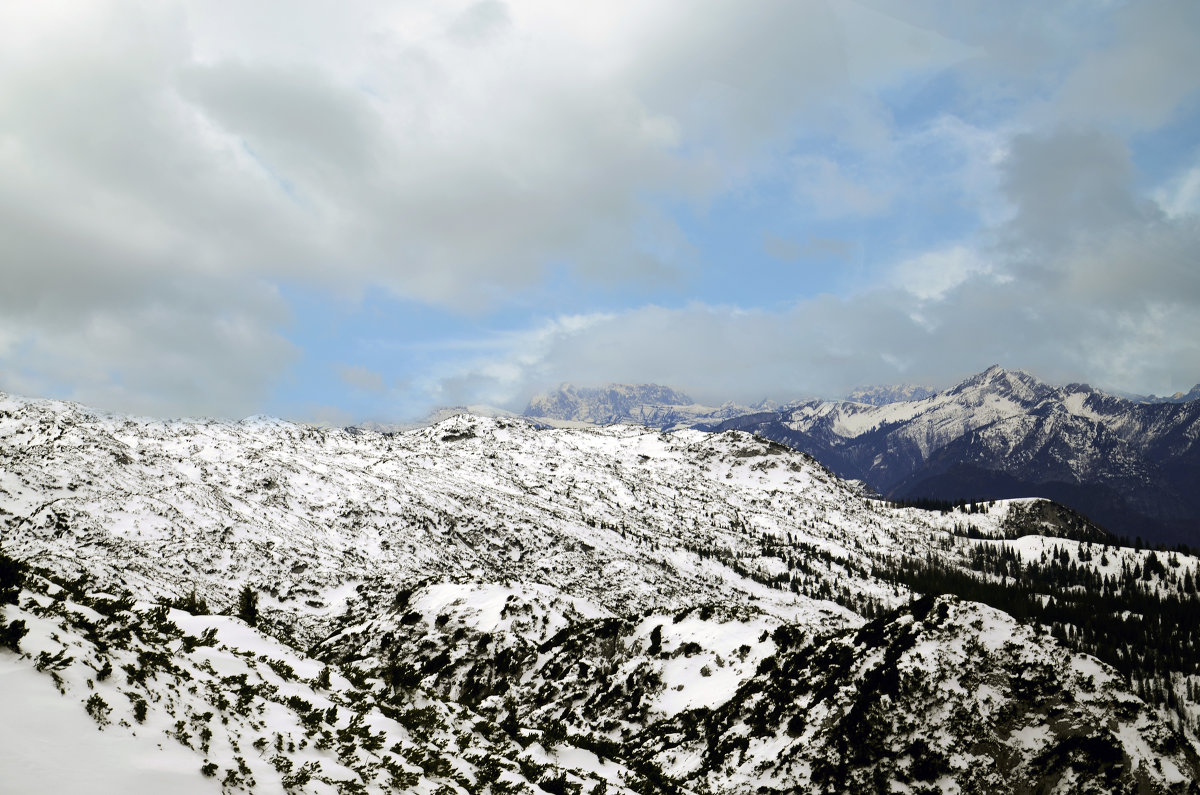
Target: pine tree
(12, 577)
(248, 606)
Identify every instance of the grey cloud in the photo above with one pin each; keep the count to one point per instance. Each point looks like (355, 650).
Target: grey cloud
(1086, 281)
(1081, 228)
(178, 353)
(828, 247)
(1068, 184)
(828, 345)
(1151, 66)
(295, 113)
(481, 21)
(1128, 65)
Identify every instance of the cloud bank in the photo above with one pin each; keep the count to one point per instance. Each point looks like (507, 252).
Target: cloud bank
(169, 171)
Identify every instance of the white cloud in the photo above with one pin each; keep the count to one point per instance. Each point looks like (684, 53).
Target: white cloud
(931, 274)
(828, 345)
(175, 158)
(167, 168)
(1181, 195)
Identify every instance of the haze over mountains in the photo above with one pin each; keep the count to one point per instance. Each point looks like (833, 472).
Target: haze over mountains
(485, 605)
(1132, 466)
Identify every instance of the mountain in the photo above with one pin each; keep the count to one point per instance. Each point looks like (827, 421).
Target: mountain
(637, 404)
(883, 395)
(1133, 467)
(487, 605)
(1178, 397)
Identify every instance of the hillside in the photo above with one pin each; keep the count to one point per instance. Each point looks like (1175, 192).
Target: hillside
(483, 605)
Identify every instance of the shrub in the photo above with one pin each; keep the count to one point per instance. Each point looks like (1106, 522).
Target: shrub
(139, 707)
(11, 634)
(99, 709)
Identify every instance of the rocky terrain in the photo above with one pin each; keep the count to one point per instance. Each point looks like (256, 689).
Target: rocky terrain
(1132, 465)
(486, 605)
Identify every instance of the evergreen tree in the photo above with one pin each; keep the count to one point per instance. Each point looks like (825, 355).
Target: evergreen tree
(12, 577)
(248, 606)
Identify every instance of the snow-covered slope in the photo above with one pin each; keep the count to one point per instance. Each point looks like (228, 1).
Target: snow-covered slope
(485, 605)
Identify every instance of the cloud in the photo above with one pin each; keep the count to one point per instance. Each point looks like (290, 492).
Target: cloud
(1181, 195)
(1150, 68)
(1069, 185)
(168, 170)
(187, 349)
(781, 248)
(931, 274)
(1082, 229)
(362, 378)
(828, 248)
(185, 159)
(831, 193)
(1086, 281)
(828, 345)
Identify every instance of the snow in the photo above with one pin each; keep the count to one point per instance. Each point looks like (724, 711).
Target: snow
(503, 529)
(55, 746)
(685, 683)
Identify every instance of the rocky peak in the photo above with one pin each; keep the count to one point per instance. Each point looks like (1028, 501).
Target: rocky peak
(1017, 385)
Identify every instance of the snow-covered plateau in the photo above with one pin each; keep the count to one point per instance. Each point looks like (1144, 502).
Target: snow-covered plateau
(489, 605)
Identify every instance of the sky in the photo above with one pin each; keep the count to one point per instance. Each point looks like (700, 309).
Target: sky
(351, 211)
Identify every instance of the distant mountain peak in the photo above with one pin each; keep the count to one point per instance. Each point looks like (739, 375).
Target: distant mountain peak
(1019, 385)
(607, 404)
(657, 393)
(1178, 397)
(882, 395)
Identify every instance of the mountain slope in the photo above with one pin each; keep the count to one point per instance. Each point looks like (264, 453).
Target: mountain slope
(1132, 467)
(482, 605)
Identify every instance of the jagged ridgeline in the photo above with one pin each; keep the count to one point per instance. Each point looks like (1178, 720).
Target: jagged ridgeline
(483, 606)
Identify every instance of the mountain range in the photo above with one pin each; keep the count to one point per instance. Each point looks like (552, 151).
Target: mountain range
(487, 604)
(1131, 466)
(637, 404)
